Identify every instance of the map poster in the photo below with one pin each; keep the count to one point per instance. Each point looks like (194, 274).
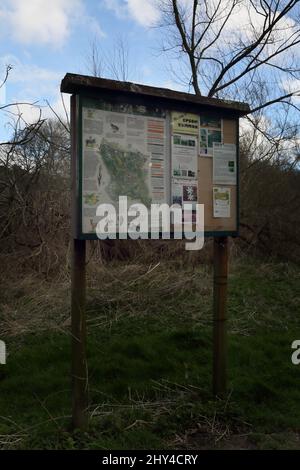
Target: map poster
(210, 132)
(184, 156)
(123, 154)
(221, 202)
(224, 164)
(185, 123)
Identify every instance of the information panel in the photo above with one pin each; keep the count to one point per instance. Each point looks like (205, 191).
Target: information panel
(153, 155)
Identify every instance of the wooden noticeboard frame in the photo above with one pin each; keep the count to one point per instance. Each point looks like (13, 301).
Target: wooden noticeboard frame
(91, 90)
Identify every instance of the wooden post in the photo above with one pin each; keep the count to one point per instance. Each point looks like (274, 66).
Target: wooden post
(219, 323)
(79, 360)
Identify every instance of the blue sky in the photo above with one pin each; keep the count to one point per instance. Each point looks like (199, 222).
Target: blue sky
(44, 40)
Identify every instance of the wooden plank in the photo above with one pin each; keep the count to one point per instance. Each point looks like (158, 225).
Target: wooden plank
(78, 321)
(74, 168)
(74, 83)
(220, 316)
(79, 360)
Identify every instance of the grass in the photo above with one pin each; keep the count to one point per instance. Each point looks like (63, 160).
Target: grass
(149, 354)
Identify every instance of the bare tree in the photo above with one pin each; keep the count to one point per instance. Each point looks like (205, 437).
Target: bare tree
(34, 186)
(95, 62)
(116, 65)
(247, 50)
(34, 195)
(231, 47)
(13, 110)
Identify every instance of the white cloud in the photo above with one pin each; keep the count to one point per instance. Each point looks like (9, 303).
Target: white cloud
(24, 72)
(249, 23)
(44, 22)
(244, 19)
(144, 12)
(117, 6)
(2, 93)
(28, 84)
(245, 24)
(39, 21)
(28, 113)
(291, 86)
(93, 26)
(60, 105)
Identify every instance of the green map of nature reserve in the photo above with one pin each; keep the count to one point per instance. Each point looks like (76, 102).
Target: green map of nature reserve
(123, 155)
(128, 172)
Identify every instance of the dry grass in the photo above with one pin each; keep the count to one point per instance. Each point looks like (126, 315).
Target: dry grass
(33, 304)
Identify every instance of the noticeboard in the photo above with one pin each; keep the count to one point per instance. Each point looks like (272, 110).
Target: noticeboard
(154, 149)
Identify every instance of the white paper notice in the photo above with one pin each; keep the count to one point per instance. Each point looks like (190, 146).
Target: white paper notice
(224, 164)
(222, 202)
(184, 191)
(184, 156)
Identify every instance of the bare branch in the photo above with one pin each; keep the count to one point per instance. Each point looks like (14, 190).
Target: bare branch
(279, 99)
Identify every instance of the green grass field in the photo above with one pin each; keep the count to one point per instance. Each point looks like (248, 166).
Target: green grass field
(150, 360)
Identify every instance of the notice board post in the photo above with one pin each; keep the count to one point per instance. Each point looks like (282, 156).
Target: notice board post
(220, 316)
(79, 369)
(78, 322)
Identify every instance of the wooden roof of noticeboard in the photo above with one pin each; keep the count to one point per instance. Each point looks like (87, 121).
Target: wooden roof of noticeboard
(73, 83)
